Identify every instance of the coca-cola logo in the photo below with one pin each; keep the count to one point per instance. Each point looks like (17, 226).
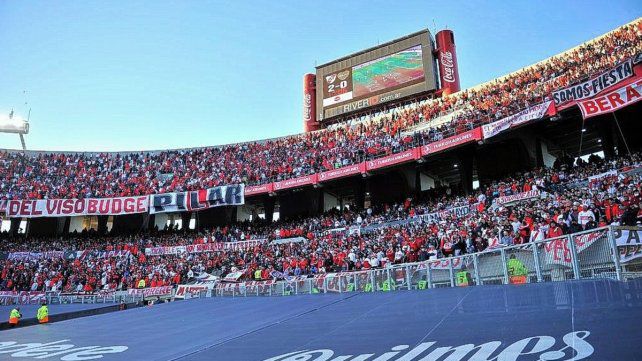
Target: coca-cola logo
(574, 347)
(447, 66)
(447, 58)
(307, 106)
(449, 75)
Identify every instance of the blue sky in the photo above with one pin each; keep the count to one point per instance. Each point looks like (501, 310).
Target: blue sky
(132, 75)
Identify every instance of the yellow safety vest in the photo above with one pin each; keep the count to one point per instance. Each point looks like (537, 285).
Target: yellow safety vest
(387, 286)
(43, 312)
(14, 314)
(462, 278)
(516, 268)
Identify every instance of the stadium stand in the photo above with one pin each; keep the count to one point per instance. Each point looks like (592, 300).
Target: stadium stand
(339, 241)
(38, 175)
(516, 235)
(446, 224)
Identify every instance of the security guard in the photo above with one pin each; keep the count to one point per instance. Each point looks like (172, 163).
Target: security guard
(14, 317)
(43, 313)
(516, 271)
(141, 283)
(463, 277)
(387, 286)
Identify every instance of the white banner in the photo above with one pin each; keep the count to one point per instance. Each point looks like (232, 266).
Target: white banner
(249, 287)
(442, 264)
(612, 173)
(289, 240)
(516, 198)
(595, 85)
(629, 243)
(194, 289)
(35, 256)
(77, 207)
(89, 254)
(535, 112)
(229, 195)
(233, 276)
(558, 251)
(455, 212)
(204, 247)
(151, 292)
(21, 297)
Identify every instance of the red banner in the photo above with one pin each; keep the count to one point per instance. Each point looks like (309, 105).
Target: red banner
(451, 142)
(3, 206)
(342, 172)
(262, 189)
(612, 101)
(296, 182)
(403, 157)
(77, 207)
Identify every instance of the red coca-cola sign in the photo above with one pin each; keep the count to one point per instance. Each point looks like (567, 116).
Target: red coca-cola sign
(447, 57)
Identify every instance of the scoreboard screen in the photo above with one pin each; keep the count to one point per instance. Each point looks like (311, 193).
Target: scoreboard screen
(337, 87)
(391, 71)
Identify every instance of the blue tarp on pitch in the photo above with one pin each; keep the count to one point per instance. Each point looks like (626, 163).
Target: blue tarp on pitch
(29, 311)
(599, 319)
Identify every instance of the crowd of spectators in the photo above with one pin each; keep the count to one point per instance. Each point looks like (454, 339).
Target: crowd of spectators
(340, 240)
(81, 175)
(344, 240)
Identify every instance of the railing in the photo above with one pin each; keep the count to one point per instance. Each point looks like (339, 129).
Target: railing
(56, 298)
(117, 297)
(584, 255)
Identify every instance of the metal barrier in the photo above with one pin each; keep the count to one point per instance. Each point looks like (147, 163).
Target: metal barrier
(58, 299)
(55, 298)
(583, 255)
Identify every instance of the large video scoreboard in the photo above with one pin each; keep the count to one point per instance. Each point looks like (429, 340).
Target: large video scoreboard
(385, 73)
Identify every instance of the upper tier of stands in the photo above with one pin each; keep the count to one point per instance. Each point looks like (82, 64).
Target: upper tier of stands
(37, 175)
